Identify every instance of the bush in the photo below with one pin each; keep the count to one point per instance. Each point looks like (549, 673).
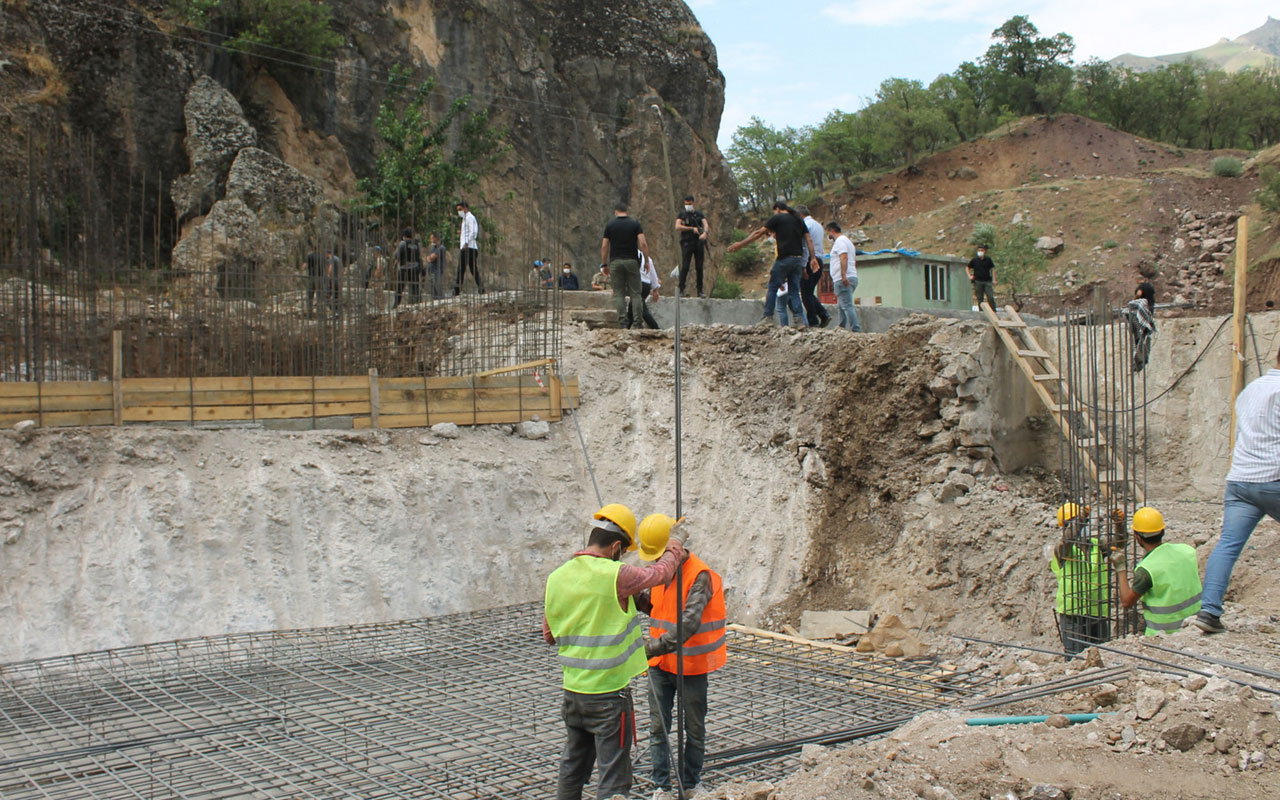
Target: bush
(746, 259)
(984, 235)
(1227, 167)
(725, 289)
(264, 26)
(1269, 193)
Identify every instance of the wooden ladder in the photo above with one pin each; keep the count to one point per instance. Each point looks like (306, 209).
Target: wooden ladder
(1076, 424)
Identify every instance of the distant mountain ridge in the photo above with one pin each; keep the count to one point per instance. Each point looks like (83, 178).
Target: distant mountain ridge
(1259, 48)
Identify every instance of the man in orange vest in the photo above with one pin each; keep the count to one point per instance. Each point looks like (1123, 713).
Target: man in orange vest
(702, 624)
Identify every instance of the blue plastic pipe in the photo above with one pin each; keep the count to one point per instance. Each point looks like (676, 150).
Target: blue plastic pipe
(1073, 718)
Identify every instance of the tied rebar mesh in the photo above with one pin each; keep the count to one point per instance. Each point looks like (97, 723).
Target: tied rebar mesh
(88, 247)
(1103, 467)
(462, 706)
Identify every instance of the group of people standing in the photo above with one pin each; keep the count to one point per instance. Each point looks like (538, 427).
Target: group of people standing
(412, 265)
(630, 271)
(591, 606)
(797, 267)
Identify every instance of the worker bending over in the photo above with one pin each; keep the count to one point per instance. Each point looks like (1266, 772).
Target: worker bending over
(1167, 578)
(1079, 561)
(702, 625)
(590, 614)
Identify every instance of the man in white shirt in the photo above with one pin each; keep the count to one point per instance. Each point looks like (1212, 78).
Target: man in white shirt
(1253, 489)
(467, 248)
(649, 285)
(811, 274)
(844, 276)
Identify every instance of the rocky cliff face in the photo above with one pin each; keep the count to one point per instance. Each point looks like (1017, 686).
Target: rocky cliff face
(574, 82)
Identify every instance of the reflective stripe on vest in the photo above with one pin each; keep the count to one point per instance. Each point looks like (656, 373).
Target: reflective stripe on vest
(601, 647)
(705, 650)
(1175, 589)
(1084, 581)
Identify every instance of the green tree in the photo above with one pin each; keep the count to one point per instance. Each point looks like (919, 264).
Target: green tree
(906, 120)
(262, 27)
(955, 99)
(1031, 74)
(765, 161)
(425, 165)
(844, 144)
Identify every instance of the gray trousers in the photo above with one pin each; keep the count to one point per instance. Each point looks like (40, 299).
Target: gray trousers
(601, 727)
(984, 290)
(624, 277)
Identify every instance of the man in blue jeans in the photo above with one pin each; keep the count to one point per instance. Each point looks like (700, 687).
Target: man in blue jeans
(844, 276)
(1253, 489)
(792, 237)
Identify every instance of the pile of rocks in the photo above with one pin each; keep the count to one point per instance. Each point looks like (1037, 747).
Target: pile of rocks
(1195, 263)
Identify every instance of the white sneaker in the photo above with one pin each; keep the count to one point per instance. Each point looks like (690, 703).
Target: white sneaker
(661, 794)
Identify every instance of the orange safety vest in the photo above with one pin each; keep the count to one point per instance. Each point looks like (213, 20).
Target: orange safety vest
(705, 651)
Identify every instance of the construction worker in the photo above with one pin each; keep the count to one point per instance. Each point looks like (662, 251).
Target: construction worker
(1082, 603)
(590, 614)
(1167, 578)
(702, 626)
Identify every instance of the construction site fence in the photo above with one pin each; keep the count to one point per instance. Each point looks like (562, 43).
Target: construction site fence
(362, 401)
(89, 246)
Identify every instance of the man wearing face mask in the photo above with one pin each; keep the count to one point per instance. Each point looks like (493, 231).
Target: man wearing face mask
(982, 276)
(692, 226)
(590, 615)
(468, 251)
(567, 280)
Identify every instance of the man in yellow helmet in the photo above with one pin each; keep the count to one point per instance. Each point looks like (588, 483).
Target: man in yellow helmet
(1167, 578)
(700, 597)
(590, 615)
(1083, 600)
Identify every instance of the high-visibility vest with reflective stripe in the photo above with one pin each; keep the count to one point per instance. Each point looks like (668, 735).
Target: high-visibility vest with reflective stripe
(1084, 584)
(1175, 590)
(705, 651)
(601, 646)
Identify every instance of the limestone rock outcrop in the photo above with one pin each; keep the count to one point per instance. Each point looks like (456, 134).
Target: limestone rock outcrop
(216, 133)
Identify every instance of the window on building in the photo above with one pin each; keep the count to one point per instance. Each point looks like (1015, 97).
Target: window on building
(937, 282)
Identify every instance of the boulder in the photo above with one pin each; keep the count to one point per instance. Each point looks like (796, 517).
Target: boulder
(227, 242)
(891, 630)
(966, 174)
(1149, 702)
(216, 132)
(888, 198)
(445, 430)
(1051, 245)
(1183, 736)
(533, 429)
(273, 189)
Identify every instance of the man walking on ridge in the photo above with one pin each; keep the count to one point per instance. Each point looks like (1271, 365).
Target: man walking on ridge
(1167, 579)
(791, 237)
(693, 229)
(468, 250)
(590, 615)
(844, 277)
(623, 236)
(702, 624)
(1253, 488)
(817, 315)
(982, 277)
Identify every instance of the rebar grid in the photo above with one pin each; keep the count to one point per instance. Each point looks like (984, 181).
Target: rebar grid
(463, 706)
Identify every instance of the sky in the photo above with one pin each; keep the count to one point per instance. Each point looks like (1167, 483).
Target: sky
(791, 63)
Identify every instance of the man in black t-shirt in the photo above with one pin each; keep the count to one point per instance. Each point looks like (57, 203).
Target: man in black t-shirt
(435, 267)
(322, 279)
(692, 226)
(623, 236)
(982, 277)
(409, 260)
(792, 237)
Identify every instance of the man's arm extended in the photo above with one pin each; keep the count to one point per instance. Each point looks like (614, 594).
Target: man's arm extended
(604, 251)
(757, 234)
(690, 620)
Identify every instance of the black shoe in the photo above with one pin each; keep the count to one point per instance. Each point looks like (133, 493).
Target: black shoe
(825, 321)
(1209, 623)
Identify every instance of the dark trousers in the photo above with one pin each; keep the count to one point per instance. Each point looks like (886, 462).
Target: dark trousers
(601, 727)
(467, 259)
(697, 251)
(410, 276)
(812, 308)
(1078, 631)
(984, 290)
(662, 695)
(645, 289)
(324, 286)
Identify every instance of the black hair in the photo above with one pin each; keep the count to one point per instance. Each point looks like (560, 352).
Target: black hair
(603, 538)
(781, 206)
(1148, 292)
(833, 226)
(407, 233)
(688, 198)
(462, 204)
(803, 210)
(435, 235)
(1153, 539)
(621, 207)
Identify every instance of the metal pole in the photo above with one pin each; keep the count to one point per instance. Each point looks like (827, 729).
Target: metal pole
(1238, 316)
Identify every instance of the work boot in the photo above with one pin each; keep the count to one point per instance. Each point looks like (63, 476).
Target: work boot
(767, 322)
(1209, 623)
(797, 321)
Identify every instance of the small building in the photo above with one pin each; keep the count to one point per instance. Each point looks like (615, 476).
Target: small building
(904, 280)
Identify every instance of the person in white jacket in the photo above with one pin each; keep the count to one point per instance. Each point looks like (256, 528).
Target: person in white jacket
(649, 286)
(468, 250)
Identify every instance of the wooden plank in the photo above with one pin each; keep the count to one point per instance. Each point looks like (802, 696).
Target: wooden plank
(243, 413)
(374, 396)
(1238, 322)
(62, 419)
(71, 388)
(397, 384)
(554, 396)
(1033, 354)
(82, 402)
(23, 389)
(117, 375)
(336, 382)
(1049, 376)
(526, 365)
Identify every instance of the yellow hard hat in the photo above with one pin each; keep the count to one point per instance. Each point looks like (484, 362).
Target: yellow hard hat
(621, 516)
(1147, 522)
(1068, 512)
(654, 532)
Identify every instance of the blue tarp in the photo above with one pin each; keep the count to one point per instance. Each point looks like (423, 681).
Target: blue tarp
(902, 250)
